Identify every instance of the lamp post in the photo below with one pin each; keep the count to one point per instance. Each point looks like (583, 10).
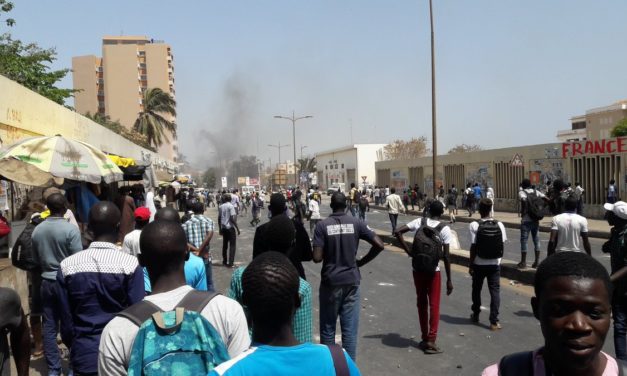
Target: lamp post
(294, 119)
(301, 150)
(279, 146)
(434, 142)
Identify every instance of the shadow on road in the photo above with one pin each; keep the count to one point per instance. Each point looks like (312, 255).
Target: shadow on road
(394, 340)
(461, 321)
(523, 313)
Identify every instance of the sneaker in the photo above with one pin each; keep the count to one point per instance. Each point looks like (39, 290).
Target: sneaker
(496, 326)
(474, 317)
(534, 265)
(521, 265)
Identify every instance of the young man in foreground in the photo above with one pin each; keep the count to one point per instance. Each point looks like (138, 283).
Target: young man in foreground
(270, 285)
(572, 303)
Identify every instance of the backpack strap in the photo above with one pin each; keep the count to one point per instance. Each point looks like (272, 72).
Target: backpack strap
(517, 364)
(139, 312)
(339, 360)
(196, 300)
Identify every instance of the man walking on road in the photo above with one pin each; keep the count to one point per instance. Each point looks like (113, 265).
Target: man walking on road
(335, 242)
(53, 240)
(428, 283)
(227, 218)
(567, 228)
(487, 237)
(530, 222)
(199, 232)
(395, 205)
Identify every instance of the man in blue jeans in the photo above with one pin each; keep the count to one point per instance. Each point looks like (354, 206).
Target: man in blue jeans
(335, 243)
(53, 240)
(528, 225)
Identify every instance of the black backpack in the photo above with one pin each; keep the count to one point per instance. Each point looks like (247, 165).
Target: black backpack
(489, 240)
(451, 199)
(22, 252)
(427, 247)
(534, 206)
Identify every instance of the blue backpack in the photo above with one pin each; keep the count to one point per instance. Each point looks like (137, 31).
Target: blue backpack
(179, 342)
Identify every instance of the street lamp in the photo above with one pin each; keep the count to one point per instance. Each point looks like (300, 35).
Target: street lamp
(293, 119)
(301, 150)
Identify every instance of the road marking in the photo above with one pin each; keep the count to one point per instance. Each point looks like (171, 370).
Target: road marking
(386, 284)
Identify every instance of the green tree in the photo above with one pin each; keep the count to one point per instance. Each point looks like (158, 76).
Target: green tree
(28, 65)
(115, 126)
(6, 7)
(620, 130)
(151, 121)
(307, 164)
(209, 177)
(412, 149)
(464, 148)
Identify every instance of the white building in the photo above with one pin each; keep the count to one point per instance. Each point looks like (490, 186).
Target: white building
(348, 164)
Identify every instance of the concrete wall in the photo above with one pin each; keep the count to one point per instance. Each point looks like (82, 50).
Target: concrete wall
(358, 159)
(122, 96)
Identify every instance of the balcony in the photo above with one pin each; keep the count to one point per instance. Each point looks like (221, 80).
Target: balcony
(572, 135)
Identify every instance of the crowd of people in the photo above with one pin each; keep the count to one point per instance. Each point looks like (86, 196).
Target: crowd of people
(134, 293)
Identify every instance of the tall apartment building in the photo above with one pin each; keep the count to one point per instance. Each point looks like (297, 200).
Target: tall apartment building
(114, 84)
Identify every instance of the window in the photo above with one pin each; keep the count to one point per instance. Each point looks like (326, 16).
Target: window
(326, 167)
(342, 165)
(336, 166)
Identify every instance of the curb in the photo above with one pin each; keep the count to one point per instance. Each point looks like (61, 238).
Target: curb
(592, 234)
(461, 257)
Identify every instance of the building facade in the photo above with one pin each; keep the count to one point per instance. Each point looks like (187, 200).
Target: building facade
(350, 164)
(596, 124)
(114, 85)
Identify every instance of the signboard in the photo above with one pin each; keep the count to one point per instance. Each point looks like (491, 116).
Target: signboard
(517, 161)
(364, 178)
(534, 178)
(247, 180)
(253, 181)
(224, 185)
(596, 147)
(241, 180)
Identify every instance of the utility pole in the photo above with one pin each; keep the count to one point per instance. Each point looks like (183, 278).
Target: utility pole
(279, 146)
(434, 142)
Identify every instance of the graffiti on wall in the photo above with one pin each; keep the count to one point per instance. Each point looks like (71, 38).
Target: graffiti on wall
(479, 174)
(549, 170)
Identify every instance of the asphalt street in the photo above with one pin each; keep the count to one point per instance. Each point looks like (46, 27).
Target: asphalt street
(389, 331)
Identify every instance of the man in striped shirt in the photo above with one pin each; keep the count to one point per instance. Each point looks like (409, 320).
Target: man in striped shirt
(199, 231)
(95, 284)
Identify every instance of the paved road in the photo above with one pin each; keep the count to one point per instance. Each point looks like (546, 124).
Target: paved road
(389, 330)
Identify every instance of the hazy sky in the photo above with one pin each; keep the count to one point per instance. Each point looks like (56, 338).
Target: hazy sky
(508, 72)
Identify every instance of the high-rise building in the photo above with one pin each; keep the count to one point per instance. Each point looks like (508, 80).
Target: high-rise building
(114, 84)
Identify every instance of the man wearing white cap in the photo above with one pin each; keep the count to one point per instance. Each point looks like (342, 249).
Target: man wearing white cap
(616, 216)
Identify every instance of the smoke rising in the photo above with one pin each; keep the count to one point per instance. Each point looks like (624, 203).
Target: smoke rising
(230, 131)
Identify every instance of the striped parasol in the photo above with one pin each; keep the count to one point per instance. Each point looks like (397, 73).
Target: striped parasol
(61, 158)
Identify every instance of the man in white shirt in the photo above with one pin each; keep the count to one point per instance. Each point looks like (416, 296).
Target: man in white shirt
(567, 229)
(130, 244)
(579, 196)
(164, 253)
(395, 205)
(227, 219)
(428, 283)
(314, 215)
(487, 237)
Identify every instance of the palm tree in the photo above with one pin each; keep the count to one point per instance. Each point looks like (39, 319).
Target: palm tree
(150, 122)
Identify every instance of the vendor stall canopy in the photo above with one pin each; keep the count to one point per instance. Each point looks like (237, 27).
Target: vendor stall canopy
(41, 160)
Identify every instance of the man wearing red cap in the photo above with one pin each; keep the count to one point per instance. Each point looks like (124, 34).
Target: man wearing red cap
(131, 240)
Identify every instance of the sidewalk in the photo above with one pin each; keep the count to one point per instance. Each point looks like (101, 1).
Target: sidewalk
(597, 228)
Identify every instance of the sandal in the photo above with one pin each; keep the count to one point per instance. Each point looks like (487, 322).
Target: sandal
(432, 349)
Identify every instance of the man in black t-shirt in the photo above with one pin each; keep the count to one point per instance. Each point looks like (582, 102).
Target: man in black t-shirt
(13, 321)
(336, 240)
